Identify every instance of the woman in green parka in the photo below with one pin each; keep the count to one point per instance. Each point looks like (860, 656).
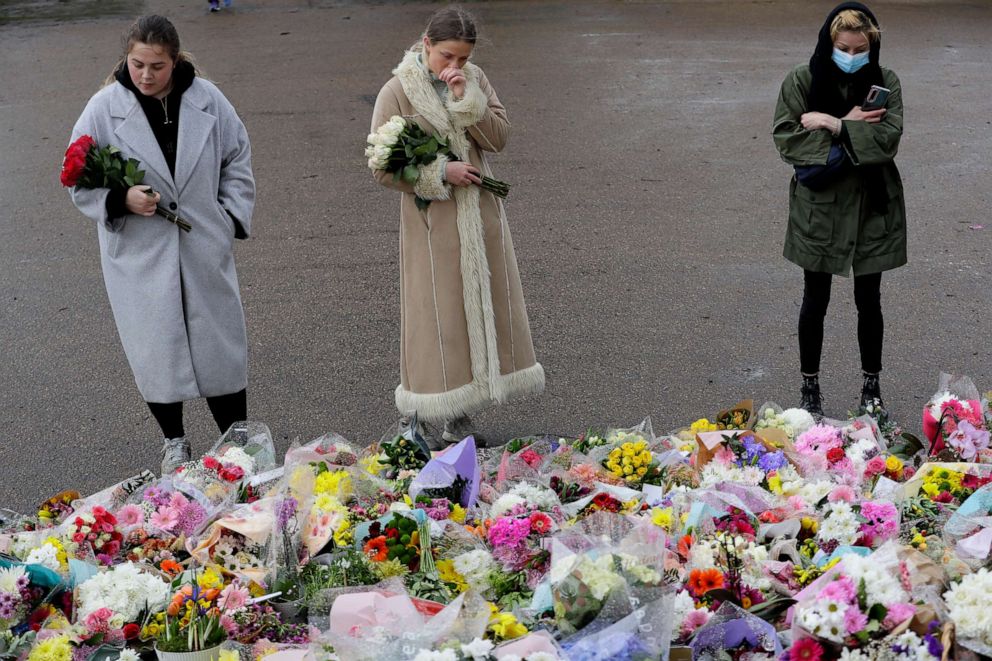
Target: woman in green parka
(851, 214)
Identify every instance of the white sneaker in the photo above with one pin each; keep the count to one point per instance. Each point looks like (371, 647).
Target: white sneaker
(175, 452)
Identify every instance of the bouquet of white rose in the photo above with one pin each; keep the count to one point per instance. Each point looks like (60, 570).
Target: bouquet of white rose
(403, 148)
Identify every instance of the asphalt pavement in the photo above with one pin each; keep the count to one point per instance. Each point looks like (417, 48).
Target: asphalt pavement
(648, 211)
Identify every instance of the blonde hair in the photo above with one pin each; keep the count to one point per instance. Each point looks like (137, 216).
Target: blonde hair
(852, 20)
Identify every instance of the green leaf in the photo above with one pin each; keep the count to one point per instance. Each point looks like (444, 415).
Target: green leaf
(411, 174)
(421, 203)
(878, 612)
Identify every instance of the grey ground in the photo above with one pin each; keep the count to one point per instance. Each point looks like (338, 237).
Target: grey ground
(648, 213)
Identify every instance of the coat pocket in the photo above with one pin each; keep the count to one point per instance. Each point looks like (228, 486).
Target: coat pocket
(813, 214)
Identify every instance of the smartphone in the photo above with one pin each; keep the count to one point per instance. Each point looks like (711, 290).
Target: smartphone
(877, 96)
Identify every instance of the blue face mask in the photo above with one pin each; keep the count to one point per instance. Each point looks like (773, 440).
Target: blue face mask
(849, 63)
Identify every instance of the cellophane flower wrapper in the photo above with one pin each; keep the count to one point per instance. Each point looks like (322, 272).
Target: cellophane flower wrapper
(645, 633)
(968, 531)
(911, 488)
(457, 461)
(255, 439)
(731, 627)
(530, 462)
(962, 393)
(332, 449)
(246, 527)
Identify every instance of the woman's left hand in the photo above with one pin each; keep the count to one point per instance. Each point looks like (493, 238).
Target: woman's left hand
(812, 121)
(455, 78)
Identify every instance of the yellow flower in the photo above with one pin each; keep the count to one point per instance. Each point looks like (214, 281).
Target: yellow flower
(343, 535)
(702, 425)
(446, 572)
(336, 483)
(893, 464)
(615, 453)
(301, 481)
(325, 502)
(662, 517)
(636, 461)
(627, 470)
(56, 648)
(371, 464)
(775, 484)
(457, 513)
(506, 627)
(151, 630)
(930, 489)
(228, 655)
(810, 524)
(210, 579)
(641, 471)
(645, 457)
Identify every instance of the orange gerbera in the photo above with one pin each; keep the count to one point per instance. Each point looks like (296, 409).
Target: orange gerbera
(685, 544)
(171, 567)
(702, 581)
(376, 549)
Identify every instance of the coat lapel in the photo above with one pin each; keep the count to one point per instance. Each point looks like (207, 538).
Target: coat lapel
(195, 126)
(136, 134)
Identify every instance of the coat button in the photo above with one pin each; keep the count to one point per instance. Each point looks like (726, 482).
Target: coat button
(172, 205)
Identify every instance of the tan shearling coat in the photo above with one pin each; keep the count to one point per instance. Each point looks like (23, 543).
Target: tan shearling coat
(465, 338)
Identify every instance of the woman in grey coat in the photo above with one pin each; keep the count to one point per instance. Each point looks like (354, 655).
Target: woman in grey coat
(174, 294)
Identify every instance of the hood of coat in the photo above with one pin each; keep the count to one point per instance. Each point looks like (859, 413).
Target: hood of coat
(182, 78)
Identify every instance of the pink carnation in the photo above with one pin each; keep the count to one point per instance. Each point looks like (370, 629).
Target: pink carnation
(841, 590)
(854, 620)
(694, 620)
(898, 613)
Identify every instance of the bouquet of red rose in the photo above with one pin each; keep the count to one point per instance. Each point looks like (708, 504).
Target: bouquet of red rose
(87, 166)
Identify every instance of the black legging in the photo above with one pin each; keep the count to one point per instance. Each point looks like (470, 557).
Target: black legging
(816, 298)
(226, 409)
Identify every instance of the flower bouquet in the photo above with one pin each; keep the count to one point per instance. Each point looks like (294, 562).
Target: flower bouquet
(954, 424)
(402, 147)
(87, 166)
(198, 616)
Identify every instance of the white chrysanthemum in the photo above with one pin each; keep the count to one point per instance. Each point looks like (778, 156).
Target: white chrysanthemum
(883, 586)
(239, 458)
(840, 524)
(524, 493)
(128, 654)
(124, 590)
(45, 555)
(9, 578)
(799, 419)
(478, 649)
(475, 566)
(970, 606)
(703, 555)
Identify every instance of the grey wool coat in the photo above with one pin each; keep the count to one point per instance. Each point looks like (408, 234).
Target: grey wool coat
(174, 294)
(465, 335)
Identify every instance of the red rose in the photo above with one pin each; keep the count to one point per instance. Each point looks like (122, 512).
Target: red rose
(211, 463)
(131, 631)
(74, 162)
(232, 473)
(835, 454)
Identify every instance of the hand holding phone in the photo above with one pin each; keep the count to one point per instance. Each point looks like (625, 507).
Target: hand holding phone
(877, 96)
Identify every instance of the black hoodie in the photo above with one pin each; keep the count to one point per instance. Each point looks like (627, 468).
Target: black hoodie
(157, 112)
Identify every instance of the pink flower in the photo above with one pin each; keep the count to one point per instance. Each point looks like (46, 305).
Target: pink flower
(531, 458)
(724, 456)
(898, 613)
(876, 465)
(842, 493)
(694, 620)
(854, 620)
(805, 649)
(540, 522)
(841, 590)
(131, 515)
(797, 503)
(165, 519)
(233, 597)
(99, 620)
(178, 500)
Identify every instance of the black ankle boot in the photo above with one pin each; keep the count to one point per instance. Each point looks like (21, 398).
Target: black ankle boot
(871, 397)
(812, 400)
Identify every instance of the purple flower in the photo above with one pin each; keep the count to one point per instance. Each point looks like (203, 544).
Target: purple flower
(934, 646)
(967, 440)
(772, 461)
(285, 510)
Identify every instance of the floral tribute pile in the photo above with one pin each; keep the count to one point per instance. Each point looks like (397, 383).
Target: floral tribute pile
(756, 533)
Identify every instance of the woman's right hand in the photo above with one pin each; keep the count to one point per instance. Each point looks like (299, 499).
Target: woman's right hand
(140, 202)
(459, 173)
(870, 116)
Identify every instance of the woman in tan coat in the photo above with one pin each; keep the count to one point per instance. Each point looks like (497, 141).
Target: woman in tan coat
(465, 339)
